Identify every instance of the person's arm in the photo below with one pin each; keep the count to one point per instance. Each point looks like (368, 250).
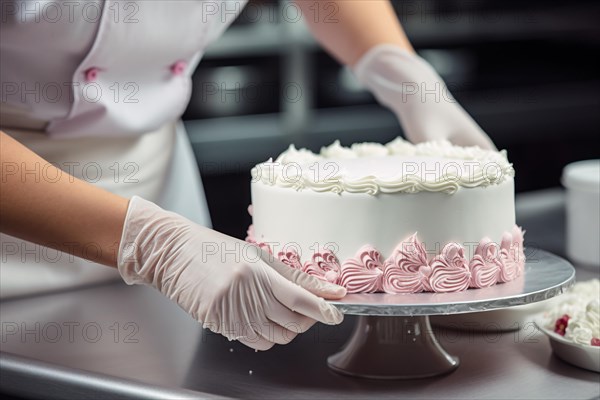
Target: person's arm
(348, 29)
(366, 36)
(45, 205)
(245, 295)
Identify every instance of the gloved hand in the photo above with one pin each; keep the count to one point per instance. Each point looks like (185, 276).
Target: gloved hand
(410, 87)
(232, 287)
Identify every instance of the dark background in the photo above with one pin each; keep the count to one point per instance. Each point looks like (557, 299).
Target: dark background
(526, 71)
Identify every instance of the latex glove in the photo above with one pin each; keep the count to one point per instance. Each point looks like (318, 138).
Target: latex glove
(410, 87)
(230, 286)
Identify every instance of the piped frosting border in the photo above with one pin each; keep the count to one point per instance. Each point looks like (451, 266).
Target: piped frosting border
(273, 173)
(409, 270)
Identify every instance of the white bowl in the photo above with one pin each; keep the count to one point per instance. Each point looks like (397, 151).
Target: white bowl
(582, 180)
(580, 355)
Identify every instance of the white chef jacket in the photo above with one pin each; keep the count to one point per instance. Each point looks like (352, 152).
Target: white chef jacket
(97, 88)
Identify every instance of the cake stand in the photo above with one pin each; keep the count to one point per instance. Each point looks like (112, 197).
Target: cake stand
(393, 338)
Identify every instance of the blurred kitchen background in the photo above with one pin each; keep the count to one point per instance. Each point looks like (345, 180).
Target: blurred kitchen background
(526, 71)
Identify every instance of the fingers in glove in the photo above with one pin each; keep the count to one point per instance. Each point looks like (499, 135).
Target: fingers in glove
(304, 302)
(266, 335)
(277, 333)
(263, 336)
(289, 319)
(311, 283)
(268, 330)
(249, 306)
(319, 287)
(259, 336)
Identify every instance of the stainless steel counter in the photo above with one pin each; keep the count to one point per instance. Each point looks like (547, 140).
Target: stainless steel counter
(130, 342)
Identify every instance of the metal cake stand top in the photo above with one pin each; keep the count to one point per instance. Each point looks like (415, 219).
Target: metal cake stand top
(546, 276)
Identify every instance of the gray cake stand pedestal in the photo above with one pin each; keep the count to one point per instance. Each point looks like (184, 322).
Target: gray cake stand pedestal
(393, 338)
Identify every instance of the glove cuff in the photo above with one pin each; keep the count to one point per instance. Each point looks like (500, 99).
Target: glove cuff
(131, 259)
(387, 62)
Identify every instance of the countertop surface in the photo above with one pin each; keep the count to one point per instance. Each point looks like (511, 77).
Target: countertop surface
(118, 341)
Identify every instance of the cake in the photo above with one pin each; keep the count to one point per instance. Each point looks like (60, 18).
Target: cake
(394, 218)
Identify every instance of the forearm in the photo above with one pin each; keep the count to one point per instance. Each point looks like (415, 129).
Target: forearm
(47, 206)
(353, 26)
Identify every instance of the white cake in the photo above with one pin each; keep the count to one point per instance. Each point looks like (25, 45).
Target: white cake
(395, 218)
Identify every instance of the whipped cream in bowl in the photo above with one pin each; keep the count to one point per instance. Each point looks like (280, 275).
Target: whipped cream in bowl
(573, 325)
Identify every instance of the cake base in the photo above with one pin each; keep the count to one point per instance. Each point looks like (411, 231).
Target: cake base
(393, 348)
(393, 338)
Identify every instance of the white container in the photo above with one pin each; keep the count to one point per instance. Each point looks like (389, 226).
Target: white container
(582, 180)
(583, 356)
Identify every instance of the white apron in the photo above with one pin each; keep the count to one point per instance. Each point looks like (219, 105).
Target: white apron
(159, 166)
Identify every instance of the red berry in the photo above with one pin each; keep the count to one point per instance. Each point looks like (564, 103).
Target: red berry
(595, 341)
(561, 324)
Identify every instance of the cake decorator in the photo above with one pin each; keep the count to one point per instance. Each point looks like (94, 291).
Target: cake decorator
(97, 89)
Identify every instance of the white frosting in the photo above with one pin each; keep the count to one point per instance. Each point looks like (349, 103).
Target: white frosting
(401, 146)
(293, 155)
(351, 220)
(581, 304)
(336, 150)
(369, 150)
(396, 167)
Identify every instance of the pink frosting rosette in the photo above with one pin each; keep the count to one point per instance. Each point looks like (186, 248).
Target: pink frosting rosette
(263, 246)
(518, 239)
(364, 272)
(485, 266)
(407, 270)
(450, 270)
(250, 239)
(250, 231)
(509, 256)
(324, 265)
(290, 258)
(250, 234)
